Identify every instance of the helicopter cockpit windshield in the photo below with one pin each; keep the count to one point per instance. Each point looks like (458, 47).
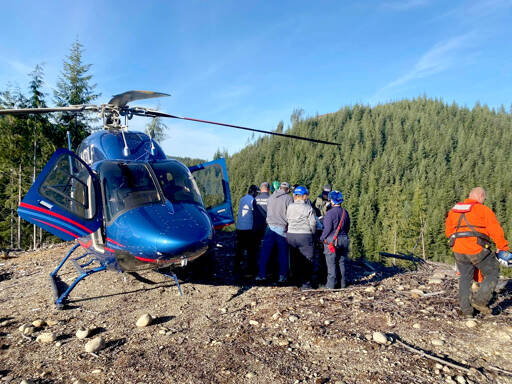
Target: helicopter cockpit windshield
(176, 182)
(127, 186)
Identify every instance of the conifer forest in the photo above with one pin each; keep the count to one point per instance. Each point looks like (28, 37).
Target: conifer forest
(401, 166)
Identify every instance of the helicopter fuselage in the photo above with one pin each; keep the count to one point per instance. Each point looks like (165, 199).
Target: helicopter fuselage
(148, 209)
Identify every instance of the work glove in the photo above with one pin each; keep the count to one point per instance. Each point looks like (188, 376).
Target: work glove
(504, 258)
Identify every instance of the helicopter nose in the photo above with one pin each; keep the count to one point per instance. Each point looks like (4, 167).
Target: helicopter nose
(156, 232)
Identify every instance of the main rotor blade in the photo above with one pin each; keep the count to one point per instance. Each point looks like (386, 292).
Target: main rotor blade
(153, 113)
(123, 99)
(24, 111)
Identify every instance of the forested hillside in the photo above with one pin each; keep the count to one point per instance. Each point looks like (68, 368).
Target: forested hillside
(401, 166)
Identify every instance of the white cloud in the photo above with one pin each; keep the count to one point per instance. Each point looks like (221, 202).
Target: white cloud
(442, 56)
(19, 67)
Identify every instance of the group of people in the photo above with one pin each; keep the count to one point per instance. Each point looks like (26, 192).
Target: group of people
(286, 220)
(297, 227)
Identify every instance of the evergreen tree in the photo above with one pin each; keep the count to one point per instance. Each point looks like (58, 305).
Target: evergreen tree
(74, 87)
(156, 129)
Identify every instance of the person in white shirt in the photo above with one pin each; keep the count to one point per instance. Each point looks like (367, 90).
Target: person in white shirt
(244, 234)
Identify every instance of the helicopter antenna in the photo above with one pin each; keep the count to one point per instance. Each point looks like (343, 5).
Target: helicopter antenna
(126, 150)
(151, 133)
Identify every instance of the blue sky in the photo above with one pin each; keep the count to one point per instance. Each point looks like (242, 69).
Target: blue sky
(253, 63)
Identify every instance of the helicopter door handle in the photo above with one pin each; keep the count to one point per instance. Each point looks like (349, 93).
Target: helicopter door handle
(221, 210)
(45, 204)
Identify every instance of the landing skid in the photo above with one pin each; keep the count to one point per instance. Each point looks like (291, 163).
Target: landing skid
(86, 269)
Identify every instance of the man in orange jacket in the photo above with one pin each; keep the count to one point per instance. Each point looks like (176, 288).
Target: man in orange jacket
(471, 226)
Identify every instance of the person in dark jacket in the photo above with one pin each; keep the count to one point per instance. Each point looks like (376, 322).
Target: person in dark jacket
(260, 212)
(335, 250)
(275, 233)
(301, 227)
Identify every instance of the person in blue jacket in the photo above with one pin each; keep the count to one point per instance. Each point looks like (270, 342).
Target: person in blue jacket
(335, 239)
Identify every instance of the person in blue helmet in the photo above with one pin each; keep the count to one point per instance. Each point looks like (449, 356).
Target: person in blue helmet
(335, 239)
(301, 227)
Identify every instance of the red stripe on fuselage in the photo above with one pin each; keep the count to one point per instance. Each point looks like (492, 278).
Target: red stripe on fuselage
(48, 212)
(115, 242)
(109, 249)
(87, 245)
(151, 260)
(59, 228)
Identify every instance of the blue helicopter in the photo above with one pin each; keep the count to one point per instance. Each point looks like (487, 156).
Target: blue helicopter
(125, 203)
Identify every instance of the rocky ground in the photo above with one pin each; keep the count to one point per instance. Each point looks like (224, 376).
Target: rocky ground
(379, 330)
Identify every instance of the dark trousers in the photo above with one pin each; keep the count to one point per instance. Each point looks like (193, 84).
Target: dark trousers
(301, 254)
(336, 262)
(485, 262)
(270, 239)
(245, 242)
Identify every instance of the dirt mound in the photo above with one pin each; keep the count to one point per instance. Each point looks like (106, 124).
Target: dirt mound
(222, 331)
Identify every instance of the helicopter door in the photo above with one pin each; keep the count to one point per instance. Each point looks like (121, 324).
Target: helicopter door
(63, 200)
(213, 183)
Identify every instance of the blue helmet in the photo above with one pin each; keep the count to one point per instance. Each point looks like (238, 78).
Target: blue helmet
(336, 197)
(300, 191)
(505, 258)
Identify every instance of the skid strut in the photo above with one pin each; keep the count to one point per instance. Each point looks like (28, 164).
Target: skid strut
(173, 275)
(60, 297)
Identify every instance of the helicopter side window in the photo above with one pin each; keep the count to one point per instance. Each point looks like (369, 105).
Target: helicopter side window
(66, 185)
(176, 182)
(127, 186)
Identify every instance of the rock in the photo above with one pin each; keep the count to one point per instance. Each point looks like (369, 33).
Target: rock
(416, 326)
(471, 324)
(437, 342)
(38, 323)
(95, 344)
(250, 375)
(26, 382)
(82, 333)
(276, 316)
(439, 275)
(253, 303)
(51, 323)
(144, 320)
(327, 322)
(253, 322)
(438, 366)
(321, 301)
(370, 289)
(223, 310)
(400, 288)
(417, 293)
(96, 371)
(58, 344)
(22, 327)
(380, 338)
(47, 337)
(80, 381)
(460, 379)
(435, 281)
(292, 318)
(29, 330)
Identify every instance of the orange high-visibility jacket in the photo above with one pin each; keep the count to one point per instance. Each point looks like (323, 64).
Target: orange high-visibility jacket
(482, 219)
